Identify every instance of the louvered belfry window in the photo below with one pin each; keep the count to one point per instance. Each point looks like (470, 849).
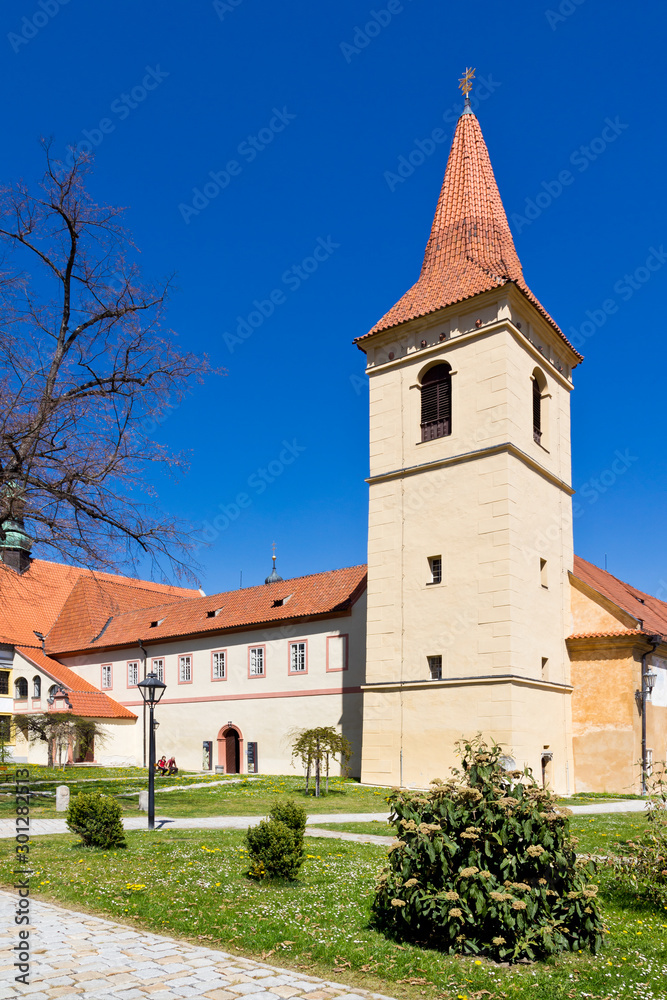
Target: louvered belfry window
(537, 412)
(436, 389)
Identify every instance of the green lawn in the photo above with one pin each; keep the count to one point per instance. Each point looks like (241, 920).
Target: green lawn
(225, 796)
(193, 884)
(601, 834)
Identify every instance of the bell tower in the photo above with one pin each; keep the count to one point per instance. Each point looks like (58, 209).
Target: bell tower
(470, 516)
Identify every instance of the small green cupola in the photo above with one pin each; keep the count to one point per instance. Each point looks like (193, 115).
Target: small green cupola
(16, 544)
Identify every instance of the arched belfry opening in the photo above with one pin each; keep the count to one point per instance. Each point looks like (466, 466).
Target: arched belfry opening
(436, 402)
(230, 748)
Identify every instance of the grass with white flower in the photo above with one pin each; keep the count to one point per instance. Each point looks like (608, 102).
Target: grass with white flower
(602, 834)
(193, 884)
(233, 795)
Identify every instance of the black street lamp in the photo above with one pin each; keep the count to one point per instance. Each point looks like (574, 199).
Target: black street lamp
(647, 680)
(152, 689)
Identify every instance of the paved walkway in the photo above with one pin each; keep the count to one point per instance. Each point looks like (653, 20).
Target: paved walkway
(77, 955)
(40, 827)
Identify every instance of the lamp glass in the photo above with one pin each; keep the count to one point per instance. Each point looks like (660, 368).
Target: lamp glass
(152, 689)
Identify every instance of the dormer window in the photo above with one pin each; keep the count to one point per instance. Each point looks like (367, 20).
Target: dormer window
(282, 601)
(214, 613)
(436, 402)
(157, 622)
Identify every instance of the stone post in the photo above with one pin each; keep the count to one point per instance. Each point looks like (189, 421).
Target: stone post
(143, 801)
(62, 798)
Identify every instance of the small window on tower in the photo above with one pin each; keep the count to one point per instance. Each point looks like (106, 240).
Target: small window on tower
(545, 668)
(435, 568)
(543, 573)
(435, 667)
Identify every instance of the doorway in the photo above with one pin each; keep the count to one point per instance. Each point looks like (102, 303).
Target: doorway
(230, 744)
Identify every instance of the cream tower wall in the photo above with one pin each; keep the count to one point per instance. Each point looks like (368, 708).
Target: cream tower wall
(493, 503)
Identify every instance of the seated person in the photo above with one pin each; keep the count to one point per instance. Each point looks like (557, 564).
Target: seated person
(161, 765)
(171, 765)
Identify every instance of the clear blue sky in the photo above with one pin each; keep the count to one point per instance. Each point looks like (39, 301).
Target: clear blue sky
(316, 115)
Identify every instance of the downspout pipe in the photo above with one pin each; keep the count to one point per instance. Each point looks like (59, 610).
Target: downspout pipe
(143, 677)
(655, 641)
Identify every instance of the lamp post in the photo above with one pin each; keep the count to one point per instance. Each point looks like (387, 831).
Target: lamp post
(152, 690)
(648, 681)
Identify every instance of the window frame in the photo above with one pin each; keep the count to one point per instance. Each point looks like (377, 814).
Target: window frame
(432, 664)
(185, 656)
(36, 688)
(346, 653)
(4, 680)
(163, 661)
(443, 402)
(214, 653)
(17, 696)
(132, 663)
(433, 582)
(290, 670)
(261, 646)
(103, 667)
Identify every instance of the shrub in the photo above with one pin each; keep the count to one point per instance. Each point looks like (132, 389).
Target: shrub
(642, 871)
(485, 865)
(294, 816)
(275, 850)
(97, 820)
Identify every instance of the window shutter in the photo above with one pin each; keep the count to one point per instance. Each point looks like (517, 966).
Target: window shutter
(436, 403)
(537, 412)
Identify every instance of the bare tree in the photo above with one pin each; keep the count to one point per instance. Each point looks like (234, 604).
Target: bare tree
(85, 367)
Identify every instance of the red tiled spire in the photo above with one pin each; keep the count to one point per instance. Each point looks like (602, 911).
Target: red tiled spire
(470, 249)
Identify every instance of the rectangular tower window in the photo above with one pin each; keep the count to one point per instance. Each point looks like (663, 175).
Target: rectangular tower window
(435, 567)
(543, 573)
(435, 667)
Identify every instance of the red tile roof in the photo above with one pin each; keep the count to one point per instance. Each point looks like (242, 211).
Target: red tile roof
(470, 249)
(611, 634)
(35, 599)
(305, 597)
(650, 610)
(85, 698)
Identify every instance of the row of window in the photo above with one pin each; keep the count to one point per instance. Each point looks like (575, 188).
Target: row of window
(435, 667)
(436, 402)
(297, 663)
(21, 688)
(435, 571)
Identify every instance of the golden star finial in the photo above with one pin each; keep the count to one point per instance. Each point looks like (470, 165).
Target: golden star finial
(465, 83)
(274, 551)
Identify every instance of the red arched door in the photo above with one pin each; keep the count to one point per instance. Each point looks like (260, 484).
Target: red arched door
(230, 744)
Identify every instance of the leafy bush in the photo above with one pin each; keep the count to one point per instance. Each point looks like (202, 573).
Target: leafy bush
(642, 871)
(275, 850)
(292, 815)
(485, 865)
(97, 820)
